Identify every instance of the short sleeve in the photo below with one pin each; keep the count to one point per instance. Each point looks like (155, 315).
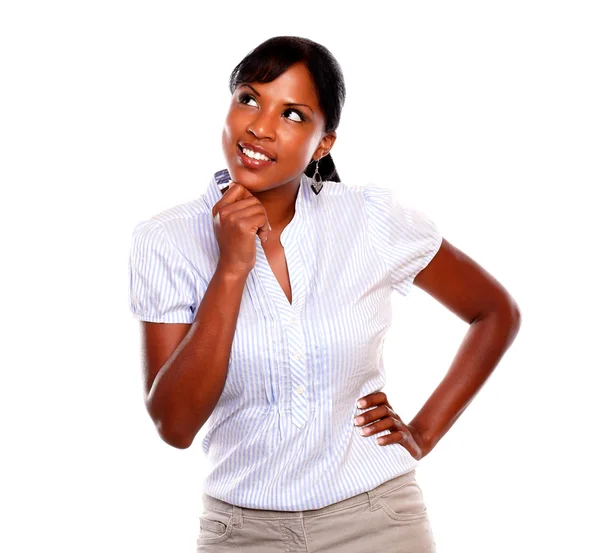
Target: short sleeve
(405, 238)
(162, 285)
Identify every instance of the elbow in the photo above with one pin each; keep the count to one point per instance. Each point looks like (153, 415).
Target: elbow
(514, 316)
(509, 317)
(168, 432)
(172, 438)
(505, 316)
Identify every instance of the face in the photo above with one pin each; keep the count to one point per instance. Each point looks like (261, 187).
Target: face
(283, 118)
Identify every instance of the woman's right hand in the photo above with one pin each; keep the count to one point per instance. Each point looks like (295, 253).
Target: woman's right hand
(237, 217)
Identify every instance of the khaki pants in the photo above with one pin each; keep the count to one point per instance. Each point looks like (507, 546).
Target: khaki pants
(390, 518)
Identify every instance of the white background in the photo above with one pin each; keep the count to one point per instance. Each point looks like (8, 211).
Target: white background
(485, 115)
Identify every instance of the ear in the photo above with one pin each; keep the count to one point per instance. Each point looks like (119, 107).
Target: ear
(325, 145)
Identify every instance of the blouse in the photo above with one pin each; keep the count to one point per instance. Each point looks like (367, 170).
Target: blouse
(282, 435)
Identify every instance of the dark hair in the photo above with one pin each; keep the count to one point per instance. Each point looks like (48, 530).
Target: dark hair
(274, 56)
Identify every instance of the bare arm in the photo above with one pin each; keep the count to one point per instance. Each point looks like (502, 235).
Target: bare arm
(475, 296)
(185, 366)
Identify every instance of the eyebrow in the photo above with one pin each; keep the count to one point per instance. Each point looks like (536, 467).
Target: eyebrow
(286, 104)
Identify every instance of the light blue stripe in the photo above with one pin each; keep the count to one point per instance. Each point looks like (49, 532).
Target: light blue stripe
(347, 250)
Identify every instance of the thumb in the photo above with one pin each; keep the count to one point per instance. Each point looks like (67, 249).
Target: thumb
(263, 231)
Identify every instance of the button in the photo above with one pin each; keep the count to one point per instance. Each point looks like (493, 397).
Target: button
(291, 321)
(300, 390)
(298, 355)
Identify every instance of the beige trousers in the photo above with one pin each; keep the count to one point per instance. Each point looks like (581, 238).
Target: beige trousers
(391, 518)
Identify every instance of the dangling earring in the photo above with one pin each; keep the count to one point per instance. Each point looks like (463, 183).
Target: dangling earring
(317, 181)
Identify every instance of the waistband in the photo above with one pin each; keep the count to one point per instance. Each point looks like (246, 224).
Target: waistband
(370, 496)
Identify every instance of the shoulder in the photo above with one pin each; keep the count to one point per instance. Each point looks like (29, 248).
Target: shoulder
(375, 191)
(179, 224)
(341, 194)
(379, 203)
(335, 188)
(367, 193)
(189, 212)
(392, 220)
(385, 202)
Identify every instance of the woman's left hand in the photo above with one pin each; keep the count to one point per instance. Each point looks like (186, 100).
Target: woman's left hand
(383, 417)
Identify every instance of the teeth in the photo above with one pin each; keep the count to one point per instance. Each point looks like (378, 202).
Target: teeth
(254, 155)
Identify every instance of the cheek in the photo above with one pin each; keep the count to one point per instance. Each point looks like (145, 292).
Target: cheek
(297, 143)
(305, 151)
(224, 137)
(228, 134)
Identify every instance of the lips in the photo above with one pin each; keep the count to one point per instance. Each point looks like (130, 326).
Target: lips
(252, 163)
(257, 148)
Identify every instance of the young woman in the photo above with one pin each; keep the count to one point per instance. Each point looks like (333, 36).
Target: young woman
(276, 284)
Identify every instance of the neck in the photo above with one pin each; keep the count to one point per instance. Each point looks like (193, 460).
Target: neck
(280, 204)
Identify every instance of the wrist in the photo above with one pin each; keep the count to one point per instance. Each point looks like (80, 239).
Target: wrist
(231, 274)
(420, 438)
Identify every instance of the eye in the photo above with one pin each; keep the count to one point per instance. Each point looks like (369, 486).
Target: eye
(244, 98)
(297, 113)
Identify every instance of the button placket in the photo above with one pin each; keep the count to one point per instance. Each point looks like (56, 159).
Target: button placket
(297, 385)
(298, 368)
(293, 378)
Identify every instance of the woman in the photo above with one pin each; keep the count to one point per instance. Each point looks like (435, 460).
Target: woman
(277, 284)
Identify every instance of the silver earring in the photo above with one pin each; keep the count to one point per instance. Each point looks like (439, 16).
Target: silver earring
(317, 181)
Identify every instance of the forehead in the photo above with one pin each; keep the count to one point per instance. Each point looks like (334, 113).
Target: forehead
(293, 85)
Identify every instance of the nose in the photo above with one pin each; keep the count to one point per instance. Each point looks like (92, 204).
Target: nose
(262, 125)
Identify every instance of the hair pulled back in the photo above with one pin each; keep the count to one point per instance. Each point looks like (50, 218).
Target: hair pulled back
(274, 56)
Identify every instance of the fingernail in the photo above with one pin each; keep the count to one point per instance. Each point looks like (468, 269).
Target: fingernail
(362, 403)
(270, 227)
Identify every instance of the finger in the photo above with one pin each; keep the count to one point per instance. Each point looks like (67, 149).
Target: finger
(393, 413)
(238, 194)
(384, 424)
(375, 398)
(234, 193)
(372, 415)
(243, 204)
(263, 231)
(392, 438)
(259, 223)
(405, 439)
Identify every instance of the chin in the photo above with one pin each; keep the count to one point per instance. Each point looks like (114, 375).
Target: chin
(249, 178)
(245, 177)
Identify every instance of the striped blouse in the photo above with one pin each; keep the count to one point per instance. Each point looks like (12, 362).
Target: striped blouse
(282, 435)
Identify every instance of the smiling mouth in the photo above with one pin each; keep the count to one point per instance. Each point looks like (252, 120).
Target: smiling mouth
(241, 150)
